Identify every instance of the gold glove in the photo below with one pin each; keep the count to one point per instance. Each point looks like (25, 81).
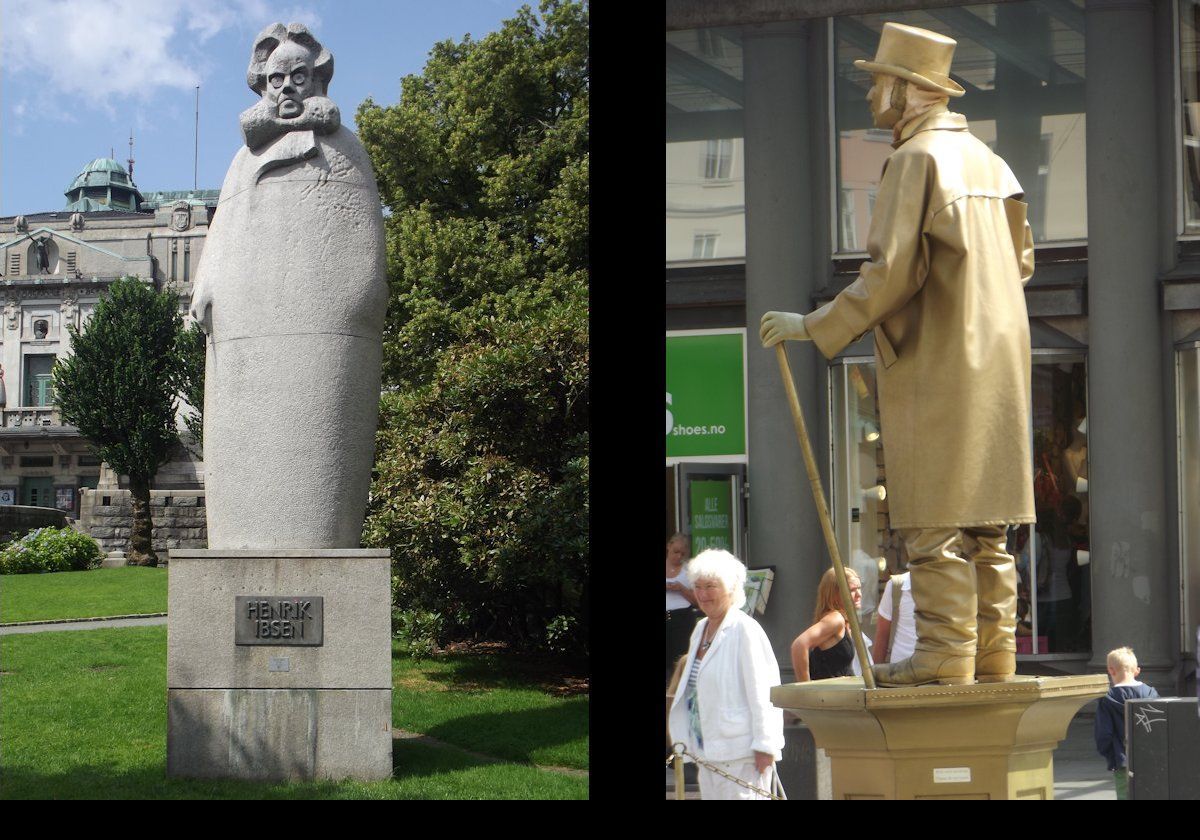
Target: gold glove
(782, 326)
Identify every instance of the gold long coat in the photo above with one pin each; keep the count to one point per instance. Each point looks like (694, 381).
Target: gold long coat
(950, 251)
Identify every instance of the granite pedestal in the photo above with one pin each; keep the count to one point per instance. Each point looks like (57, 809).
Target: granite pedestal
(982, 741)
(279, 664)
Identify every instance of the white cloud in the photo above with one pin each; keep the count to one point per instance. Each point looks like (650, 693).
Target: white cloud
(210, 18)
(98, 50)
(299, 14)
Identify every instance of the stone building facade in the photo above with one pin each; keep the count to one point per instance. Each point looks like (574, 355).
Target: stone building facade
(53, 268)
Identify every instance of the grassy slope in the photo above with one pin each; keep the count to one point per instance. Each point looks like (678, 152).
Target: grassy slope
(100, 592)
(84, 716)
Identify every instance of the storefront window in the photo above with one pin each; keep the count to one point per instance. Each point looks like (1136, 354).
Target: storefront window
(864, 536)
(1053, 559)
(1054, 593)
(706, 196)
(1188, 399)
(1189, 90)
(1022, 66)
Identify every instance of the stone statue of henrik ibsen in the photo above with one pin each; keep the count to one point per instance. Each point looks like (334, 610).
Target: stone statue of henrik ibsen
(291, 290)
(950, 250)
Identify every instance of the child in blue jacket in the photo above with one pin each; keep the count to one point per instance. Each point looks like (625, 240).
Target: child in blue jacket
(1110, 713)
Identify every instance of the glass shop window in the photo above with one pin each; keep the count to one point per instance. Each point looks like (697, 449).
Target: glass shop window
(860, 510)
(1053, 559)
(1054, 592)
(1022, 66)
(1187, 398)
(1189, 96)
(849, 224)
(705, 148)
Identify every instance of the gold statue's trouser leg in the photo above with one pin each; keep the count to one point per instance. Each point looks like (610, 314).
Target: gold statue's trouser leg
(996, 576)
(943, 590)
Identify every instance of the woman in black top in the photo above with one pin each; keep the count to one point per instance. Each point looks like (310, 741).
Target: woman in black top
(825, 649)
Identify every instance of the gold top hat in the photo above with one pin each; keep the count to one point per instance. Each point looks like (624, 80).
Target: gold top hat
(918, 55)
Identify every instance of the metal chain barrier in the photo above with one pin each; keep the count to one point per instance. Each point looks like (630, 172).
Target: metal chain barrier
(682, 750)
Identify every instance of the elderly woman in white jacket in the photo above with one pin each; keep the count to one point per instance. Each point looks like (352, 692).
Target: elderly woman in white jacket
(722, 710)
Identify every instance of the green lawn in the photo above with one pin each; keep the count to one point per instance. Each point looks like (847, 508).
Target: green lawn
(493, 705)
(84, 717)
(101, 592)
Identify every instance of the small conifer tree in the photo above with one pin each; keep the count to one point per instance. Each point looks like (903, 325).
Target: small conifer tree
(119, 387)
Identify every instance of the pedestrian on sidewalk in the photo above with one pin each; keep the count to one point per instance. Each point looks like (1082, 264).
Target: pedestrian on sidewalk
(1123, 671)
(722, 710)
(895, 626)
(825, 649)
(681, 603)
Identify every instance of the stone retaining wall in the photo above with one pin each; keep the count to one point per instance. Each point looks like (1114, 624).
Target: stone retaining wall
(178, 515)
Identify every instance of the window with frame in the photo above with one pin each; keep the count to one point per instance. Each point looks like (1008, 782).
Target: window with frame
(1189, 99)
(1022, 66)
(704, 246)
(39, 381)
(705, 160)
(718, 157)
(848, 233)
(1187, 398)
(1052, 557)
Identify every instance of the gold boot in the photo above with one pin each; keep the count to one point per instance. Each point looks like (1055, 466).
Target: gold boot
(996, 584)
(944, 605)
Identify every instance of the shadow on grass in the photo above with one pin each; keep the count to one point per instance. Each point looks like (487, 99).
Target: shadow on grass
(521, 735)
(482, 672)
(149, 782)
(419, 772)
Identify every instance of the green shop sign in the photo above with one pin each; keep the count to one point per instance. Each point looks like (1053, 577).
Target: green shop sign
(706, 394)
(712, 515)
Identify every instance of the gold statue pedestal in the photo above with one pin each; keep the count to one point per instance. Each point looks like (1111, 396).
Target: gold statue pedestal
(982, 741)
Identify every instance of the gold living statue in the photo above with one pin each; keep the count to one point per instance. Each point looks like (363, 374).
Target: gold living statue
(950, 250)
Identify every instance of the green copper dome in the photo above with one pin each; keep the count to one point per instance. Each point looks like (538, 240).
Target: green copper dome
(103, 185)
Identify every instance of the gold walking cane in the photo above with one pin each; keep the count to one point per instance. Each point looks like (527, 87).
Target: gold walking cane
(814, 479)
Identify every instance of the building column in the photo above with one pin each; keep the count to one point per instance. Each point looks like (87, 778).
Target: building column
(781, 245)
(1130, 568)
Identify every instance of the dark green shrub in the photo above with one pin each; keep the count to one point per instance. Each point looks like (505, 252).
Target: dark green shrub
(50, 550)
(481, 478)
(418, 630)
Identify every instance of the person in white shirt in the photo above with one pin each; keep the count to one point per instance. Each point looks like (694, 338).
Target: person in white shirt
(681, 615)
(895, 636)
(722, 711)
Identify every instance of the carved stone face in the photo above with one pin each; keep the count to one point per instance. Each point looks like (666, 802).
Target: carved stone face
(290, 79)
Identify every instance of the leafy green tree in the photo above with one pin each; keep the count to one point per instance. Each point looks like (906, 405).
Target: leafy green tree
(119, 386)
(481, 471)
(193, 344)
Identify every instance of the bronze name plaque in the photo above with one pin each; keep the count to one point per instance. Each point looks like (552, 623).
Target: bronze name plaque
(279, 620)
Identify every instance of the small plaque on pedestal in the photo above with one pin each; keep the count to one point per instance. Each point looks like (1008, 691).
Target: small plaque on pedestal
(279, 620)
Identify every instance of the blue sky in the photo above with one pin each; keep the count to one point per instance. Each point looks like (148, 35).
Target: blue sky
(79, 74)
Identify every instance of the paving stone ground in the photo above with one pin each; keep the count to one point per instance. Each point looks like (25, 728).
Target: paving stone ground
(84, 624)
